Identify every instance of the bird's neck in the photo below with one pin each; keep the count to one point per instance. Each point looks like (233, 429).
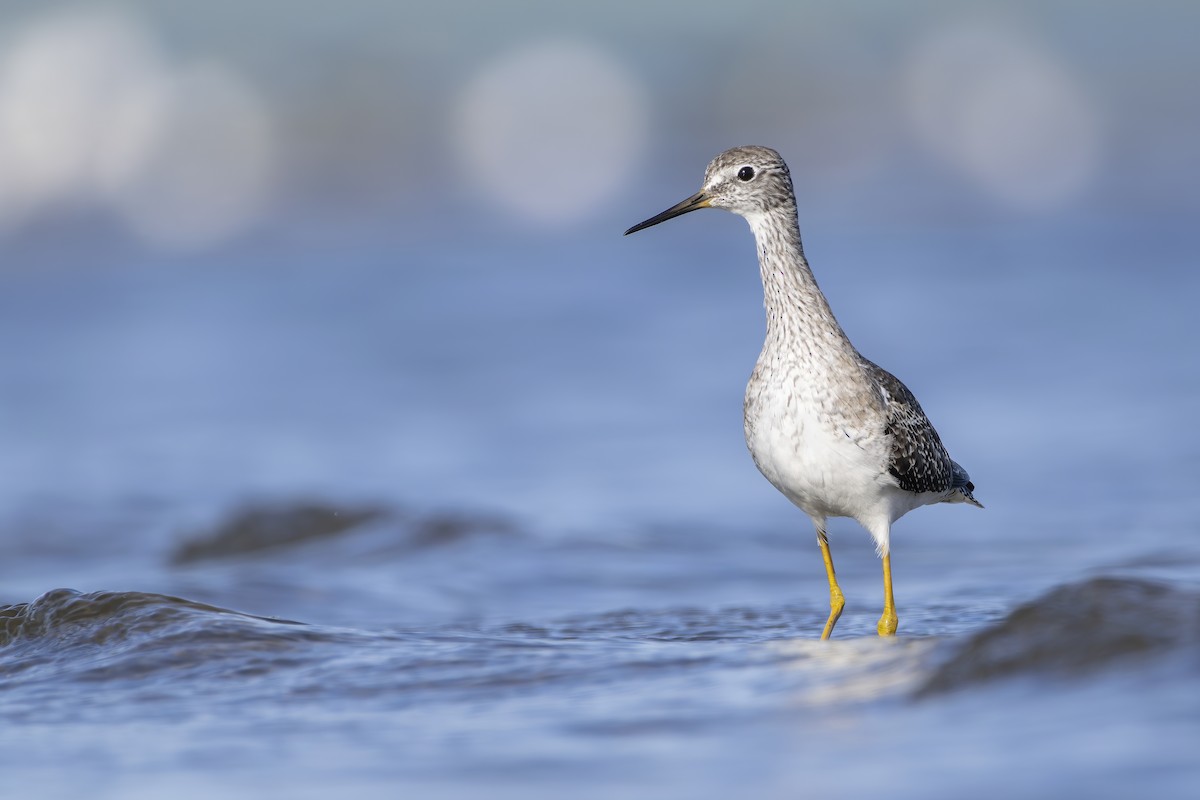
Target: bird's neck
(797, 311)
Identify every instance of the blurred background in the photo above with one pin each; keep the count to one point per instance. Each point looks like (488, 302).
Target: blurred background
(275, 271)
(372, 251)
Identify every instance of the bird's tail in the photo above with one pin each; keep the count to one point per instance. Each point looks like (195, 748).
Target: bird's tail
(962, 494)
(962, 490)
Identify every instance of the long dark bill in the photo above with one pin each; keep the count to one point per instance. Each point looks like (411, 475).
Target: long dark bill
(698, 200)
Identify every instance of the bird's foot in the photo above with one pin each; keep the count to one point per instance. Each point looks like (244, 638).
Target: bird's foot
(888, 623)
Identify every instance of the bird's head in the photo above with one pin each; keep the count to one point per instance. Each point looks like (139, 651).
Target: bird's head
(745, 180)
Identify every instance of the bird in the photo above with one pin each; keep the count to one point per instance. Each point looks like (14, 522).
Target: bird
(836, 434)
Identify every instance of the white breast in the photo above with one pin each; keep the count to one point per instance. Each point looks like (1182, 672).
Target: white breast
(822, 460)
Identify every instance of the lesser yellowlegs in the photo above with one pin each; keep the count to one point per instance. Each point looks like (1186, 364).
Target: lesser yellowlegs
(837, 434)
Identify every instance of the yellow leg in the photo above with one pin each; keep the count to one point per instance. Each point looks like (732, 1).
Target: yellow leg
(836, 599)
(888, 622)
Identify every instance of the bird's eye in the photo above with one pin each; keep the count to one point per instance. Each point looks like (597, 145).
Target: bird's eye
(745, 173)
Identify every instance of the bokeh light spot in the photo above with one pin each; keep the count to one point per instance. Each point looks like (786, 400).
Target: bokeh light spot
(91, 111)
(209, 174)
(551, 131)
(1007, 114)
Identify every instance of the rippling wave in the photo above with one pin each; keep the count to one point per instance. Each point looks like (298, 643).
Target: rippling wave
(66, 635)
(606, 684)
(1075, 630)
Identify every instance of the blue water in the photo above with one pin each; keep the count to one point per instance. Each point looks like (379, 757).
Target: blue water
(574, 580)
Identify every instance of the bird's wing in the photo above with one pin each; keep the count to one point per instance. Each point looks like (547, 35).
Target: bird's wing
(919, 461)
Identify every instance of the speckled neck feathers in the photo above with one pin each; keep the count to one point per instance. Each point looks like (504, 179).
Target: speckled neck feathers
(800, 323)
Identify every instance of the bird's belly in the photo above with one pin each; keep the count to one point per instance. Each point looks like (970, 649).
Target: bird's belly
(825, 469)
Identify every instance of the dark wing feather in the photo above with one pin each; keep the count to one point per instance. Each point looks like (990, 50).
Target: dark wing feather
(919, 460)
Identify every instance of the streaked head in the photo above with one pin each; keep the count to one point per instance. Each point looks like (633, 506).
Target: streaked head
(745, 180)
